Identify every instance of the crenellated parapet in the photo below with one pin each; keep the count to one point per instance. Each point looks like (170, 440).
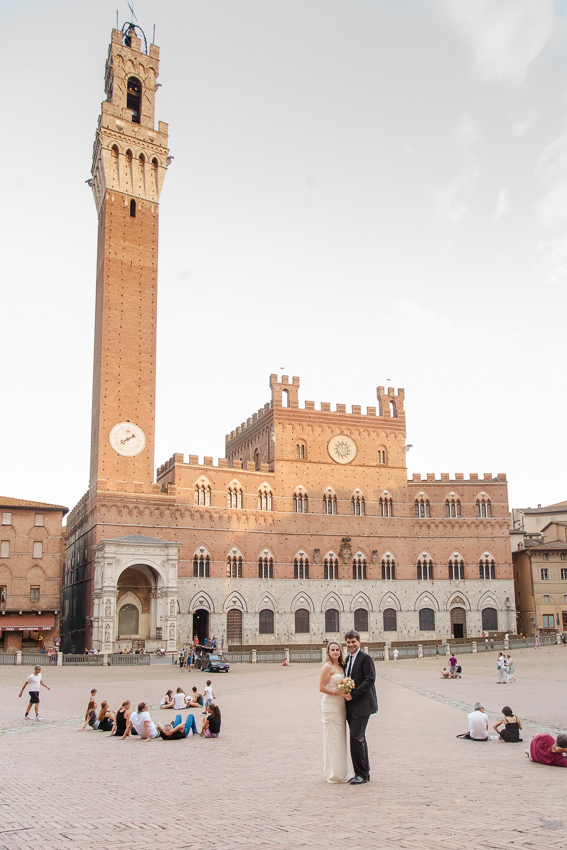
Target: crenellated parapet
(445, 478)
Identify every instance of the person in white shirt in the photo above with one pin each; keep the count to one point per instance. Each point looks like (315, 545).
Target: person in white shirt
(34, 680)
(478, 723)
(396, 654)
(141, 721)
(208, 695)
(180, 700)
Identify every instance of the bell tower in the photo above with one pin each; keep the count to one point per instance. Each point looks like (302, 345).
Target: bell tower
(130, 159)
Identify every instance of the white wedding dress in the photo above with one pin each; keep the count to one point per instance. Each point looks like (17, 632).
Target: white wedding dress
(336, 755)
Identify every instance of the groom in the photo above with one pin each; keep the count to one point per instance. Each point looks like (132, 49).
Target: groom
(360, 704)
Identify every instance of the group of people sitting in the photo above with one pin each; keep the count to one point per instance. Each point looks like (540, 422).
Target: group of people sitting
(180, 699)
(543, 749)
(126, 722)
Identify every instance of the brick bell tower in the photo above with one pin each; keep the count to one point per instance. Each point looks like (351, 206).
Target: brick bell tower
(130, 159)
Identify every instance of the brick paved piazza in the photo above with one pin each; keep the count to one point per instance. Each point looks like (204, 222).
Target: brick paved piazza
(260, 784)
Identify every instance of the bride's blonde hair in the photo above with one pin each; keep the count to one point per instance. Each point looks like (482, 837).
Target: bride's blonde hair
(340, 660)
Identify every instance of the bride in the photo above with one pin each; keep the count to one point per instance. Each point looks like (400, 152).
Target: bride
(336, 762)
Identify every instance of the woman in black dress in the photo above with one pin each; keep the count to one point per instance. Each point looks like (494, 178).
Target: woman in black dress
(511, 726)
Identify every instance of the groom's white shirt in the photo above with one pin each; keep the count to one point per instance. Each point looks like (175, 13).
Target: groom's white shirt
(350, 663)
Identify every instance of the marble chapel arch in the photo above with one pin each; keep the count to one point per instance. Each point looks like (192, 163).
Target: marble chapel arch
(308, 525)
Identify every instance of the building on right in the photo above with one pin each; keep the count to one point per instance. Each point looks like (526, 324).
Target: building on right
(540, 573)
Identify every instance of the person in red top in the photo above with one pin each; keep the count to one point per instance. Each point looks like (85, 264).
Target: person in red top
(544, 750)
(196, 640)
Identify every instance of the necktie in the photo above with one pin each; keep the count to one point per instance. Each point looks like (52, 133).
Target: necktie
(349, 665)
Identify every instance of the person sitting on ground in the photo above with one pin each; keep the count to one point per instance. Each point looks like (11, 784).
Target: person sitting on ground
(105, 717)
(212, 722)
(142, 723)
(478, 725)
(167, 700)
(121, 719)
(180, 700)
(544, 750)
(176, 730)
(511, 726)
(91, 719)
(444, 673)
(285, 663)
(92, 698)
(196, 699)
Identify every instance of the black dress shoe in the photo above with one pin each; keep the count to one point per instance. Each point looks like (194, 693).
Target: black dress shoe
(357, 780)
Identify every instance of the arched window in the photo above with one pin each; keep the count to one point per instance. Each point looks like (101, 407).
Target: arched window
(456, 569)
(358, 505)
(203, 494)
(129, 171)
(155, 176)
(256, 459)
(302, 621)
(486, 568)
(381, 456)
(234, 496)
(264, 499)
(361, 620)
(390, 620)
(489, 620)
(300, 502)
(285, 398)
(483, 507)
(359, 568)
(421, 508)
(329, 504)
(114, 154)
(301, 451)
(331, 567)
(301, 567)
(266, 622)
(201, 565)
(331, 620)
(452, 508)
(265, 567)
(424, 569)
(234, 566)
(134, 98)
(388, 568)
(128, 620)
(132, 208)
(386, 506)
(427, 620)
(393, 410)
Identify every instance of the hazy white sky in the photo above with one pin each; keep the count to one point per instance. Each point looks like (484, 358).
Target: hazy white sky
(362, 190)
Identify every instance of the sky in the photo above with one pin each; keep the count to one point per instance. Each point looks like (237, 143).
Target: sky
(363, 193)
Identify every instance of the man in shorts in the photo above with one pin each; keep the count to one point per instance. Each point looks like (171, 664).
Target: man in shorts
(33, 681)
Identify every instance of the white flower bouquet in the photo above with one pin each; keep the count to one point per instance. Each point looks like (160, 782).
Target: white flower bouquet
(346, 685)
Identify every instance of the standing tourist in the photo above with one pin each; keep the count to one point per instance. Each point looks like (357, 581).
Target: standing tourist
(34, 680)
(510, 669)
(501, 669)
(360, 704)
(208, 695)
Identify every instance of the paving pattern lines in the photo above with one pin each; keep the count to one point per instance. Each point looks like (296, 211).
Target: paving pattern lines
(428, 789)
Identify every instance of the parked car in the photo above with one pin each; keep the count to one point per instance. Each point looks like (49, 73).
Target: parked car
(214, 663)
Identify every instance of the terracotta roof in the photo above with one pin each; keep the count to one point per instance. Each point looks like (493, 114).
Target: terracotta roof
(558, 507)
(8, 502)
(552, 546)
(137, 538)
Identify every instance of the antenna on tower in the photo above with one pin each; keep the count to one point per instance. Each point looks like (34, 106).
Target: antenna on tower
(154, 35)
(117, 19)
(131, 7)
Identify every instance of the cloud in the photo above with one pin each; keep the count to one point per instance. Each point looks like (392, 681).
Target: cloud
(551, 209)
(519, 128)
(452, 201)
(503, 204)
(505, 36)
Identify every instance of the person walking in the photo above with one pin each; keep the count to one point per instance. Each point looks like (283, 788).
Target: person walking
(510, 669)
(208, 695)
(360, 704)
(34, 681)
(501, 669)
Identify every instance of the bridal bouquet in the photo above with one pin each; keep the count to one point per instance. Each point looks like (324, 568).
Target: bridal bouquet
(346, 685)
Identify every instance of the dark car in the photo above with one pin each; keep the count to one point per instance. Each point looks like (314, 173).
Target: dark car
(214, 663)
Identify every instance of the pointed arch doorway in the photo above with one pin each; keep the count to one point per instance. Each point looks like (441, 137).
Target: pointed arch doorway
(201, 625)
(458, 622)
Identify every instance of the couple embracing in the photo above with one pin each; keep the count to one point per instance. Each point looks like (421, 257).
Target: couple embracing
(353, 701)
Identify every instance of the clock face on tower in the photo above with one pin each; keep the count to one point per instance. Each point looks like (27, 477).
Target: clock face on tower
(342, 449)
(127, 439)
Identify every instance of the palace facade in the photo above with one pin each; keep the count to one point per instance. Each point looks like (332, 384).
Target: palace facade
(307, 527)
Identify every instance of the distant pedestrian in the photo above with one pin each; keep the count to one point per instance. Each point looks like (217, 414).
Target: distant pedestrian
(501, 669)
(181, 662)
(537, 642)
(34, 681)
(222, 643)
(196, 640)
(437, 651)
(453, 666)
(510, 669)
(396, 654)
(208, 695)
(214, 642)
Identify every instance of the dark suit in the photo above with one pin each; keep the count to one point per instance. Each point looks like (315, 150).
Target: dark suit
(364, 702)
